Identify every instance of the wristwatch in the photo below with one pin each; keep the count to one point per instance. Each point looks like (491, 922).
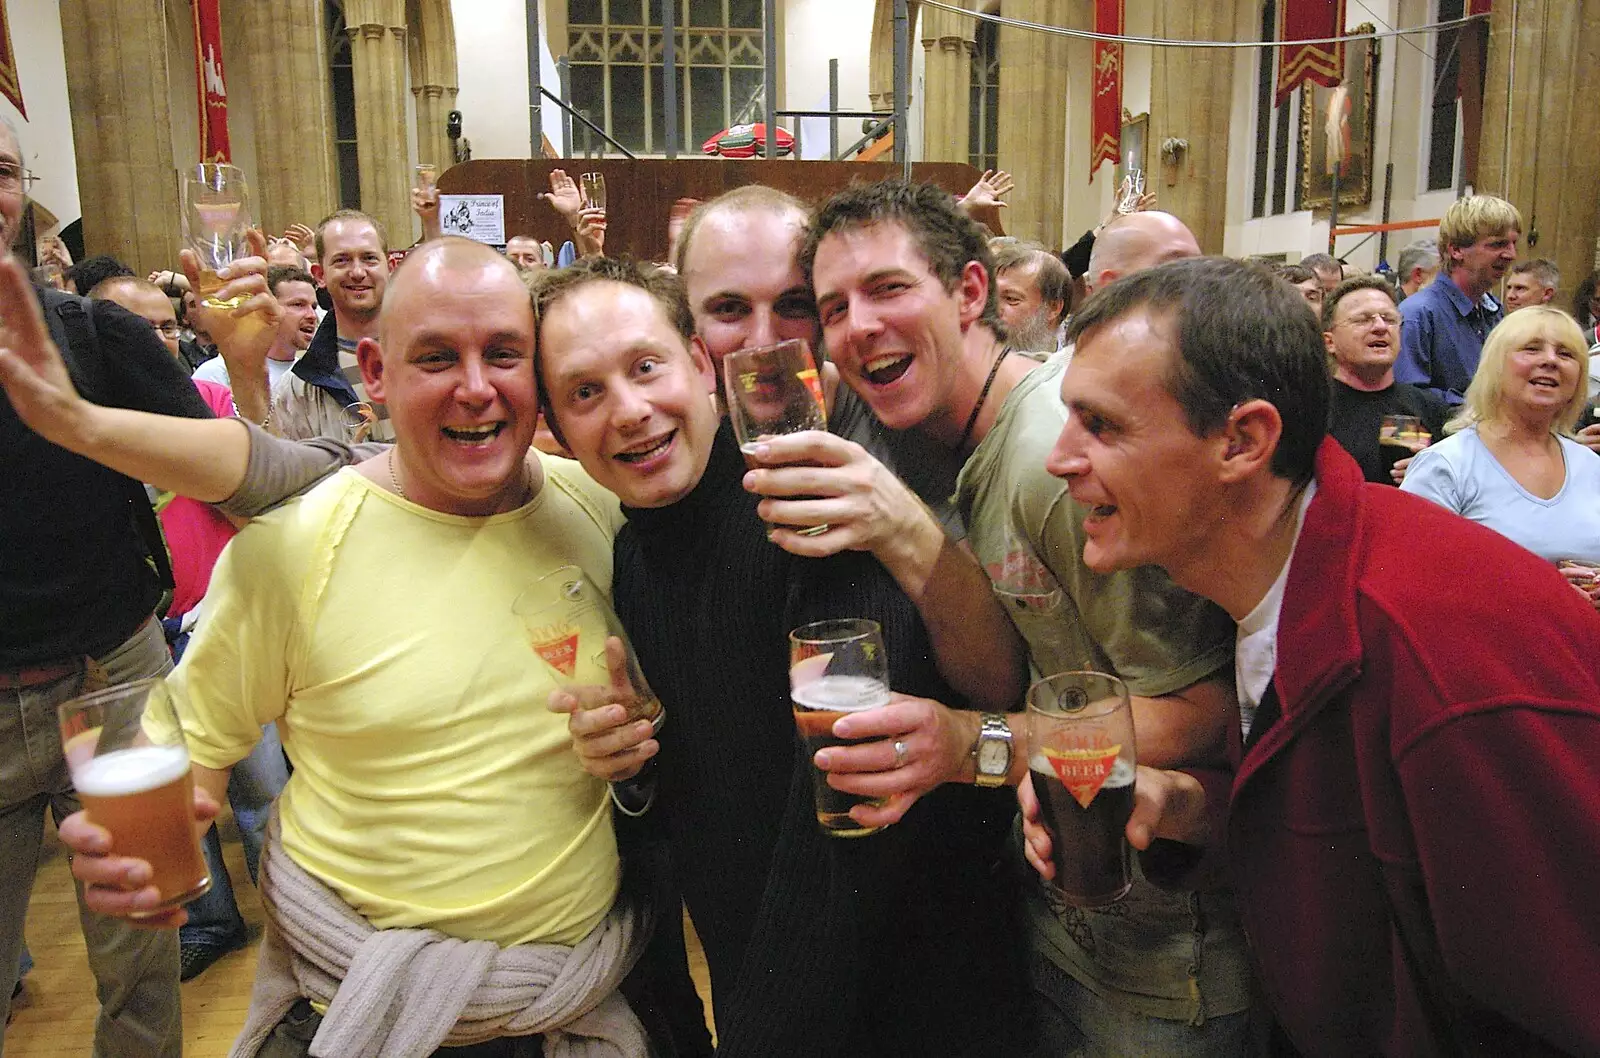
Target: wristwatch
(991, 753)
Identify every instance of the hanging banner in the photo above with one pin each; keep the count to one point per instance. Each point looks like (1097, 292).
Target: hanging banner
(1322, 63)
(1105, 129)
(1478, 7)
(10, 86)
(211, 87)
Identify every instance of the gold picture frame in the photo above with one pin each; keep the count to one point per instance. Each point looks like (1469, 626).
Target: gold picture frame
(1135, 147)
(1349, 112)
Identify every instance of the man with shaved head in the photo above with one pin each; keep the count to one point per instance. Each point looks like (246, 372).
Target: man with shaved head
(1135, 242)
(436, 812)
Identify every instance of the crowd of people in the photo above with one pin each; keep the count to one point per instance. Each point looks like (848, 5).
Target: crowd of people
(1367, 804)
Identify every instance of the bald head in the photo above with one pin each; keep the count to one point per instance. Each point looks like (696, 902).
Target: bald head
(1136, 242)
(437, 267)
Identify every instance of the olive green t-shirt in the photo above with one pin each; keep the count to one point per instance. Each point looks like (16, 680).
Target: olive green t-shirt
(1156, 953)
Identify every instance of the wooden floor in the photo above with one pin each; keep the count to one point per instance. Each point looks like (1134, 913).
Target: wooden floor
(54, 1018)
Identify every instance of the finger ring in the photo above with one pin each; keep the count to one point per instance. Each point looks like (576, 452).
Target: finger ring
(899, 754)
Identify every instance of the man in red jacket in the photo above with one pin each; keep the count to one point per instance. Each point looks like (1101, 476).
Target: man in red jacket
(1413, 815)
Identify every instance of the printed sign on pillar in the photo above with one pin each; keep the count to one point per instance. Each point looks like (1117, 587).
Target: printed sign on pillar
(210, 83)
(1105, 130)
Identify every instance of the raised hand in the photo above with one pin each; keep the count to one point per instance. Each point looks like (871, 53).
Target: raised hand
(590, 237)
(425, 204)
(987, 192)
(301, 236)
(32, 372)
(564, 195)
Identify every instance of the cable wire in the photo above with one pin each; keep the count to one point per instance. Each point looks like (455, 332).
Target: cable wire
(1158, 42)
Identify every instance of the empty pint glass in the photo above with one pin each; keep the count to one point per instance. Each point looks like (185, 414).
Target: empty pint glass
(571, 627)
(1081, 759)
(216, 218)
(771, 391)
(836, 668)
(125, 752)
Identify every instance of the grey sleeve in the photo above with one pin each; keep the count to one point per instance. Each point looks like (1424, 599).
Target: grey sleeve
(280, 470)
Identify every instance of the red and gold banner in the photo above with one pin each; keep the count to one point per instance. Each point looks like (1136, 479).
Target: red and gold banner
(1322, 63)
(10, 86)
(1105, 129)
(1478, 7)
(211, 86)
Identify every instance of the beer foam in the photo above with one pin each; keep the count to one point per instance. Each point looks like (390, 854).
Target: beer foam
(130, 771)
(841, 694)
(1121, 771)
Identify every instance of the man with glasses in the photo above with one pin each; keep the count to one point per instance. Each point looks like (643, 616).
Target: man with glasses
(1361, 329)
(145, 300)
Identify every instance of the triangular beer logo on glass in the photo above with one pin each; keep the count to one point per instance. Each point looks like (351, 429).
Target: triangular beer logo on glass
(1083, 771)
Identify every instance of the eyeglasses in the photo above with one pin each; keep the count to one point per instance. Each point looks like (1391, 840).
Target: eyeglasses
(14, 177)
(1365, 319)
(170, 329)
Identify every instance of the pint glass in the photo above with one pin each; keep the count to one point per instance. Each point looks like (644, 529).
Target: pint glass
(580, 641)
(125, 752)
(835, 668)
(771, 391)
(1081, 759)
(216, 216)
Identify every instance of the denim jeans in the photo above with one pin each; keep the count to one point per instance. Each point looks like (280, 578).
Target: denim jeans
(1074, 1021)
(255, 782)
(135, 970)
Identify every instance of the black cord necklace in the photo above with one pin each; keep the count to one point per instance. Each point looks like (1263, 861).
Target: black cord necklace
(977, 409)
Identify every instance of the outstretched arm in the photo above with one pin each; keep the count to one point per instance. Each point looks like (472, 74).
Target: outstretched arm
(157, 449)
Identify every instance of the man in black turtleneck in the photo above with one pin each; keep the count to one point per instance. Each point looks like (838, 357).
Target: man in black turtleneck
(1361, 329)
(902, 943)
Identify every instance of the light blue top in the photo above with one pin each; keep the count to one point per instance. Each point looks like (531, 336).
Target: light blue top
(1460, 473)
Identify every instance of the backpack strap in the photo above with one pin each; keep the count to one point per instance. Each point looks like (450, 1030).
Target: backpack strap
(76, 318)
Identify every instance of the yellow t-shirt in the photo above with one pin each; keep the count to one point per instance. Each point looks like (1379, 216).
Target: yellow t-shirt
(432, 787)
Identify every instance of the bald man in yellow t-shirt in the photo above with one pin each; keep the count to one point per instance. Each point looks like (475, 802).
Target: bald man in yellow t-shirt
(372, 620)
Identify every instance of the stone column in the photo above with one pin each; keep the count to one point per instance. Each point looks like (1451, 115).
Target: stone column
(377, 31)
(1033, 112)
(285, 63)
(433, 81)
(118, 89)
(1539, 134)
(949, 40)
(1191, 92)
(880, 59)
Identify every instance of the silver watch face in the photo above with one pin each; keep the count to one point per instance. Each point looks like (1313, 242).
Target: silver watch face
(994, 756)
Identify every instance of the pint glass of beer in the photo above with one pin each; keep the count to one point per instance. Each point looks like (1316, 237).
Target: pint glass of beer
(124, 749)
(1081, 759)
(571, 628)
(1400, 437)
(835, 668)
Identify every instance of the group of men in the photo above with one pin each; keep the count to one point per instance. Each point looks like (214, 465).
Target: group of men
(1401, 813)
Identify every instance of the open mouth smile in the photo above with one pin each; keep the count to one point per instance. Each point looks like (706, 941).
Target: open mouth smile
(474, 435)
(882, 370)
(647, 450)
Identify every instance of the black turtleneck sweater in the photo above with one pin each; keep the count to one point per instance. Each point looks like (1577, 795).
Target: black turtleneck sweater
(904, 942)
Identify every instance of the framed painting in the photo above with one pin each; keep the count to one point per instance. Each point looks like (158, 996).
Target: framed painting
(1337, 123)
(1135, 137)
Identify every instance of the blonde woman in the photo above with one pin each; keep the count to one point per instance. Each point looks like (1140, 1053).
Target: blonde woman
(1510, 462)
